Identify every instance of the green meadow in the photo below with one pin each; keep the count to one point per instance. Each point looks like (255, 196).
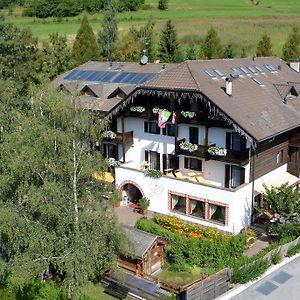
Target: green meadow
(238, 22)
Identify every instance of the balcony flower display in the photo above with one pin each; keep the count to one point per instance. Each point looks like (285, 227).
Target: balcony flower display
(153, 173)
(188, 114)
(109, 134)
(187, 146)
(113, 162)
(139, 109)
(217, 151)
(155, 110)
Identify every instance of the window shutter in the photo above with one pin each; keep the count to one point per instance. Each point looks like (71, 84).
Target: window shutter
(146, 129)
(227, 175)
(176, 163)
(243, 143)
(228, 140)
(186, 163)
(199, 165)
(242, 176)
(158, 161)
(164, 131)
(146, 156)
(165, 166)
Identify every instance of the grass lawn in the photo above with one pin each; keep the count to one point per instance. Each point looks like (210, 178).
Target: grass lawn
(179, 278)
(238, 22)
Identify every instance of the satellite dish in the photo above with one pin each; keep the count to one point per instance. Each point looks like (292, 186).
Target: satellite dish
(144, 60)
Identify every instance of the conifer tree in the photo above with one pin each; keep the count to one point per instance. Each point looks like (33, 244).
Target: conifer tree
(169, 50)
(264, 46)
(229, 52)
(85, 47)
(145, 37)
(291, 49)
(212, 47)
(191, 52)
(108, 35)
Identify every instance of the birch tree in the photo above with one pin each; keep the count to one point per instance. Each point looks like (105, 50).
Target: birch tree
(54, 222)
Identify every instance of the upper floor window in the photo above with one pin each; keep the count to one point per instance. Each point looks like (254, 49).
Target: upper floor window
(193, 163)
(279, 157)
(153, 159)
(194, 106)
(151, 127)
(235, 142)
(234, 176)
(169, 129)
(194, 135)
(109, 150)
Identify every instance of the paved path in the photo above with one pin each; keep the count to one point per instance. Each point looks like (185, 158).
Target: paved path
(128, 216)
(282, 284)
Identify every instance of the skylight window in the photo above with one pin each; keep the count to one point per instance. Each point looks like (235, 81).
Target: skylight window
(219, 73)
(259, 69)
(245, 70)
(257, 81)
(271, 68)
(210, 74)
(252, 69)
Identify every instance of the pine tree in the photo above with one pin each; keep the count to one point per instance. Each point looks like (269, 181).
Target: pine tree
(191, 52)
(264, 46)
(145, 36)
(108, 35)
(85, 47)
(212, 47)
(291, 49)
(169, 46)
(229, 52)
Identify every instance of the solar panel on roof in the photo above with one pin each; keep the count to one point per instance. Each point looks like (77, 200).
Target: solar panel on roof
(259, 69)
(108, 76)
(245, 70)
(210, 74)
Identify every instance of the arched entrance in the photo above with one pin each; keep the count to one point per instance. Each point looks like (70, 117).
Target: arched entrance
(131, 193)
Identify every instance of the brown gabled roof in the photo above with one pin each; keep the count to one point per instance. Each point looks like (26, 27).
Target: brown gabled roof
(179, 78)
(259, 110)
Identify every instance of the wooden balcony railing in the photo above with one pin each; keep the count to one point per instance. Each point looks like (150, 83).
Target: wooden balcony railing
(239, 157)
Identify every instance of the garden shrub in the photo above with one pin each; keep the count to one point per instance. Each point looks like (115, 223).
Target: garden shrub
(291, 230)
(276, 258)
(293, 250)
(248, 272)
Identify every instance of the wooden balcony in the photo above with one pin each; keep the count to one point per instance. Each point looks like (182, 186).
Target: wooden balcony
(126, 138)
(238, 157)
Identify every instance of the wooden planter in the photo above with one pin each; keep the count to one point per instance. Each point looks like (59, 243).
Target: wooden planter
(117, 203)
(144, 211)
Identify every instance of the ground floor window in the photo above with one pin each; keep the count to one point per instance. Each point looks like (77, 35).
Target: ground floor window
(217, 213)
(178, 203)
(199, 208)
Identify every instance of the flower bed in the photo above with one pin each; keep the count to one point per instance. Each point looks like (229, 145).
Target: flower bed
(188, 114)
(217, 151)
(109, 134)
(139, 109)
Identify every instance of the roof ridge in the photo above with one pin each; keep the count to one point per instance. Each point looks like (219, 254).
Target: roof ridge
(187, 63)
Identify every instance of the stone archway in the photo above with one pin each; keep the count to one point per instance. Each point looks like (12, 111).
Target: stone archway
(131, 192)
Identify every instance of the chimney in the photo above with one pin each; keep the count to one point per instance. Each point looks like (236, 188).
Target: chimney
(295, 65)
(228, 86)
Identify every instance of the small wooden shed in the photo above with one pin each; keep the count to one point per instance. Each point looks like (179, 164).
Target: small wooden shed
(144, 254)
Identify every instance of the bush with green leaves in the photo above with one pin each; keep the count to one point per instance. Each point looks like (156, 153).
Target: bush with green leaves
(293, 250)
(249, 272)
(291, 230)
(207, 251)
(276, 257)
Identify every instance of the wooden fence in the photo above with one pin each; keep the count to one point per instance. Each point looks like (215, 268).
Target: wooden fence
(209, 288)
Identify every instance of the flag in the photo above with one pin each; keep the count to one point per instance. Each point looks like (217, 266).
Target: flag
(174, 117)
(163, 117)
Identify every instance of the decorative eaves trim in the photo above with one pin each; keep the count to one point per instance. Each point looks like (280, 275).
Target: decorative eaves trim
(180, 95)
